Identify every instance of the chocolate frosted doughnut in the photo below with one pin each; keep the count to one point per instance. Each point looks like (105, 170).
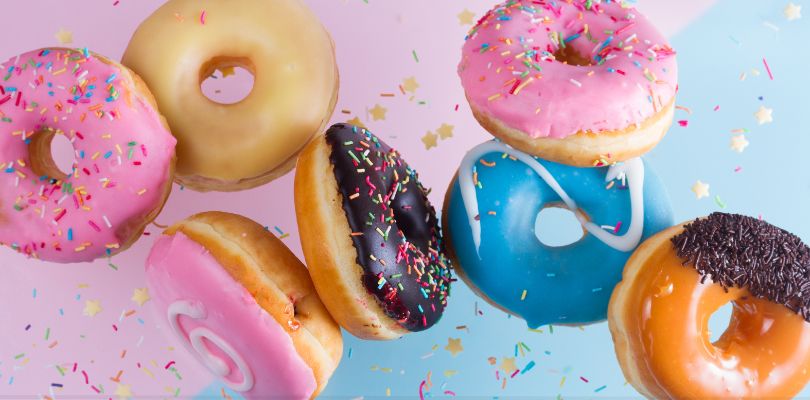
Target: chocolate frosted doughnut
(370, 235)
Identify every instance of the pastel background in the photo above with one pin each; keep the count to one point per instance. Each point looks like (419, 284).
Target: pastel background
(49, 349)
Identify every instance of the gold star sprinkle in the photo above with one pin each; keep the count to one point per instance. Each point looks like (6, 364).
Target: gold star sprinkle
(466, 17)
(429, 140)
(141, 296)
(378, 112)
(739, 143)
(454, 346)
(508, 365)
(92, 308)
(764, 115)
(64, 36)
(123, 392)
(356, 122)
(445, 131)
(227, 71)
(793, 12)
(700, 190)
(410, 84)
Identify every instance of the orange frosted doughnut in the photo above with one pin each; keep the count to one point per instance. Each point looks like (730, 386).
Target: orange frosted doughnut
(675, 281)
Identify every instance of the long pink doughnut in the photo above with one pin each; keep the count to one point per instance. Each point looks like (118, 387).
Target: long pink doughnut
(124, 156)
(509, 71)
(251, 352)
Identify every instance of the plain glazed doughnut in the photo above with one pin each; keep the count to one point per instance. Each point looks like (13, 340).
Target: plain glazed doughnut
(243, 304)
(574, 82)
(247, 144)
(676, 280)
(123, 156)
(370, 235)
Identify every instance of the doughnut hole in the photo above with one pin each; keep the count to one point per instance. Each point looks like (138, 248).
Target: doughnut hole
(51, 154)
(719, 321)
(750, 323)
(220, 86)
(569, 55)
(557, 226)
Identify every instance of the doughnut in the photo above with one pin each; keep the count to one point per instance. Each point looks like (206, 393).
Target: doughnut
(676, 280)
(241, 302)
(570, 81)
(237, 146)
(370, 236)
(494, 204)
(123, 156)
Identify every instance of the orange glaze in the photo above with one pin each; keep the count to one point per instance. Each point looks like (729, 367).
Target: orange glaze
(765, 352)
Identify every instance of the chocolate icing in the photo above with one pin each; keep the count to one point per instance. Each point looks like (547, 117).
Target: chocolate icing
(395, 230)
(744, 252)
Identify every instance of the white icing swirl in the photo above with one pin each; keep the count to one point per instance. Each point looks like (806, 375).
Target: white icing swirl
(195, 343)
(631, 170)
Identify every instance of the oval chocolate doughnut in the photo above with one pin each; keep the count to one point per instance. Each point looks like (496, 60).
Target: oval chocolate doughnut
(370, 236)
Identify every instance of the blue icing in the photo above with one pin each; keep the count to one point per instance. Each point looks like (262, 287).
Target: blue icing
(564, 285)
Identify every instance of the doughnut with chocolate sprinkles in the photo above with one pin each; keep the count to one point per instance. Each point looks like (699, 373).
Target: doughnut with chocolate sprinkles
(674, 282)
(370, 236)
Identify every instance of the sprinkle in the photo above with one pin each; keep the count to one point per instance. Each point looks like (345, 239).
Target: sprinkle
(767, 68)
(576, 82)
(202, 17)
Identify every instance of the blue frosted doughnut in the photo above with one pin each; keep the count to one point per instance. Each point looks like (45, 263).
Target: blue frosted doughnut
(489, 219)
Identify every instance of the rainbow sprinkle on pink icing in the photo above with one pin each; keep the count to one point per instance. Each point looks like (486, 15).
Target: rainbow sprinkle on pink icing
(621, 70)
(122, 156)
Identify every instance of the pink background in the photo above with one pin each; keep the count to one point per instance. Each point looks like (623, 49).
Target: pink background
(374, 41)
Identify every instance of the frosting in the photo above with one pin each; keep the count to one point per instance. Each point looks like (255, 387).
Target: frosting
(661, 331)
(745, 252)
(395, 230)
(620, 71)
(492, 209)
(632, 171)
(214, 364)
(123, 155)
(222, 324)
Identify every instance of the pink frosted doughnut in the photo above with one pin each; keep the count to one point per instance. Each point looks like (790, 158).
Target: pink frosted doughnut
(571, 81)
(244, 306)
(123, 156)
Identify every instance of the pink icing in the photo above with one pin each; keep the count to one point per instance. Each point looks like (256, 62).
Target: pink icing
(509, 72)
(122, 156)
(181, 270)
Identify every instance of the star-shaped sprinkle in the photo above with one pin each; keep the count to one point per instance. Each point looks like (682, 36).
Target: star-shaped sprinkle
(445, 131)
(64, 36)
(123, 392)
(739, 143)
(141, 296)
(410, 84)
(793, 12)
(454, 346)
(92, 308)
(700, 189)
(378, 112)
(508, 365)
(466, 17)
(429, 140)
(356, 122)
(227, 71)
(764, 115)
